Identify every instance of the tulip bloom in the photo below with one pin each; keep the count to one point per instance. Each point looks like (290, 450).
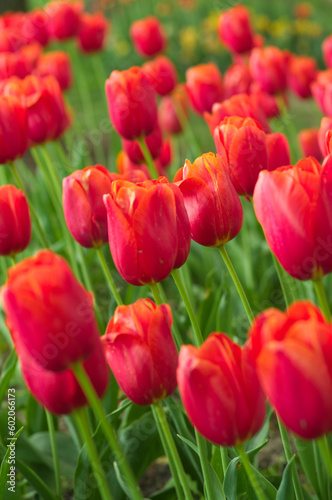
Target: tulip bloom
(299, 229)
(268, 66)
(13, 129)
(152, 141)
(141, 352)
(220, 377)
(161, 74)
(59, 392)
(308, 141)
(293, 355)
(56, 63)
(278, 150)
(302, 72)
(244, 142)
(148, 229)
(92, 32)
(235, 31)
(325, 126)
(14, 64)
(237, 80)
(321, 90)
(204, 86)
(15, 223)
(327, 51)
(171, 108)
(64, 18)
(148, 36)
(50, 311)
(132, 103)
(213, 206)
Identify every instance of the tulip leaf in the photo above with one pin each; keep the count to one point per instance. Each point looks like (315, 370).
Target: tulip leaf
(167, 493)
(262, 434)
(35, 416)
(189, 443)
(7, 373)
(285, 490)
(6, 462)
(305, 450)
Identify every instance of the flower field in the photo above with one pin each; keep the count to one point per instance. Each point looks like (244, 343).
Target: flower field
(166, 250)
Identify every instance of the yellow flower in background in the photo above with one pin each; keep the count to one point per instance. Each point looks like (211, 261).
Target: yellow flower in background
(306, 27)
(262, 23)
(281, 27)
(188, 38)
(122, 48)
(210, 23)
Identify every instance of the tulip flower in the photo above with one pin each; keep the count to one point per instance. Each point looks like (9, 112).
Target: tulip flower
(15, 223)
(152, 141)
(308, 141)
(132, 103)
(11, 40)
(204, 86)
(59, 392)
(302, 72)
(13, 129)
(235, 30)
(220, 377)
(161, 74)
(325, 126)
(268, 66)
(213, 206)
(278, 150)
(299, 229)
(141, 352)
(327, 51)
(47, 115)
(237, 80)
(92, 32)
(56, 63)
(293, 357)
(148, 36)
(64, 18)
(173, 110)
(14, 64)
(50, 311)
(244, 142)
(321, 90)
(124, 165)
(35, 27)
(148, 229)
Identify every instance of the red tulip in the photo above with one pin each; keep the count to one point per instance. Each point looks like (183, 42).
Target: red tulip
(64, 18)
(132, 103)
(50, 311)
(327, 51)
(325, 126)
(268, 66)
(293, 354)
(204, 86)
(220, 377)
(46, 110)
(153, 143)
(244, 142)
(92, 31)
(161, 74)
(213, 206)
(124, 165)
(15, 223)
(237, 80)
(321, 90)
(59, 392)
(14, 64)
(298, 230)
(11, 40)
(141, 352)
(35, 27)
(278, 150)
(235, 30)
(13, 129)
(302, 72)
(148, 229)
(56, 63)
(308, 141)
(148, 36)
(173, 110)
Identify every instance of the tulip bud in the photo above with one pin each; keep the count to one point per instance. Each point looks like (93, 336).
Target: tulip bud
(213, 206)
(278, 150)
(132, 103)
(321, 90)
(293, 355)
(152, 141)
(141, 352)
(64, 18)
(13, 129)
(327, 51)
(302, 72)
(148, 36)
(298, 230)
(15, 223)
(161, 74)
(148, 229)
(50, 311)
(268, 66)
(325, 126)
(92, 32)
(237, 80)
(244, 143)
(204, 86)
(234, 29)
(220, 377)
(56, 63)
(173, 110)
(308, 141)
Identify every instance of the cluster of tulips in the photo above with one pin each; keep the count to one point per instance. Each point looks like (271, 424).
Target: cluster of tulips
(149, 222)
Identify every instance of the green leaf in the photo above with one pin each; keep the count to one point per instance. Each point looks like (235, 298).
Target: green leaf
(286, 490)
(305, 450)
(167, 493)
(35, 416)
(7, 373)
(7, 462)
(261, 435)
(189, 443)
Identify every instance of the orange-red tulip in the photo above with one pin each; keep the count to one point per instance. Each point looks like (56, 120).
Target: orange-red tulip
(148, 36)
(15, 223)
(161, 74)
(92, 31)
(13, 128)
(235, 30)
(204, 86)
(308, 141)
(56, 63)
(268, 66)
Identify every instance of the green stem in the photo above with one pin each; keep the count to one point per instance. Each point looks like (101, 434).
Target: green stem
(56, 462)
(325, 451)
(83, 426)
(224, 458)
(250, 473)
(201, 443)
(148, 158)
(13, 260)
(285, 282)
(322, 299)
(61, 154)
(289, 454)
(236, 282)
(97, 407)
(175, 330)
(169, 456)
(108, 277)
(159, 414)
(156, 295)
(186, 128)
(20, 184)
(187, 303)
